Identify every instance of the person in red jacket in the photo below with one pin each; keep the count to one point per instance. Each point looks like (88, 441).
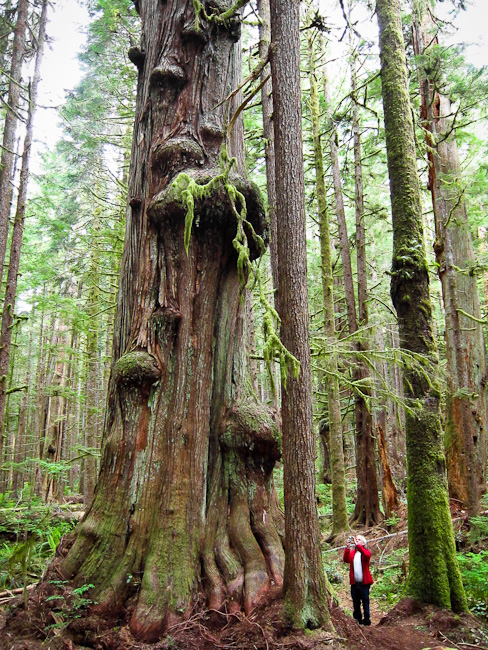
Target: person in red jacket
(357, 556)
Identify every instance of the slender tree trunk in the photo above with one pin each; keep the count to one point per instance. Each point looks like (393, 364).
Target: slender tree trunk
(466, 420)
(367, 509)
(18, 230)
(305, 583)
(7, 449)
(10, 127)
(55, 425)
(268, 135)
(434, 575)
(92, 370)
(40, 383)
(185, 493)
(269, 149)
(338, 474)
(21, 443)
(6, 25)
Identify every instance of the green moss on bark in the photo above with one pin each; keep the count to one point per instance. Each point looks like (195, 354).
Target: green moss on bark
(434, 574)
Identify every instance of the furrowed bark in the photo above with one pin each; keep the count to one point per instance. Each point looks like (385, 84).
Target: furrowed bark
(185, 501)
(305, 583)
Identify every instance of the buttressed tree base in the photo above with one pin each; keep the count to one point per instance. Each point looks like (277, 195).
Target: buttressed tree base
(185, 500)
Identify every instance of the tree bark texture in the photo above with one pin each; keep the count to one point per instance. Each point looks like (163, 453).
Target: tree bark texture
(93, 367)
(185, 497)
(10, 126)
(335, 438)
(269, 150)
(305, 582)
(466, 419)
(268, 135)
(367, 509)
(434, 575)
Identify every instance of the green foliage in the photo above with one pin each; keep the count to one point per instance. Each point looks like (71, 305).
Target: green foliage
(68, 604)
(389, 584)
(392, 521)
(36, 537)
(474, 571)
(478, 528)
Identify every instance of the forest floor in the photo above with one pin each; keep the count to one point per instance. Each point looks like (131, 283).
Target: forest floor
(396, 624)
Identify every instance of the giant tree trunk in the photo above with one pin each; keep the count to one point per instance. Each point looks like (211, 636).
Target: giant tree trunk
(434, 575)
(335, 438)
(466, 419)
(185, 494)
(305, 583)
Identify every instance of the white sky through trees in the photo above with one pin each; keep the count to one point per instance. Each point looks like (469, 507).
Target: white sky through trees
(68, 21)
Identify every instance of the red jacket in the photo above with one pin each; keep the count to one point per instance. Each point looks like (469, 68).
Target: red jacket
(365, 556)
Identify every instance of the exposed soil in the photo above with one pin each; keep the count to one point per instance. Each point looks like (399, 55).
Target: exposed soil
(408, 626)
(58, 618)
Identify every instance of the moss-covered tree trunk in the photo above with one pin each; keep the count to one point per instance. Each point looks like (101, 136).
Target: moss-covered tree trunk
(434, 575)
(334, 443)
(184, 500)
(92, 365)
(305, 582)
(466, 420)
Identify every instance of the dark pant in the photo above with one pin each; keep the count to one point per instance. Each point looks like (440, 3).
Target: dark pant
(360, 594)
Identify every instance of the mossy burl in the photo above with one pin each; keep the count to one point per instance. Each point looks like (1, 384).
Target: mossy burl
(136, 368)
(186, 190)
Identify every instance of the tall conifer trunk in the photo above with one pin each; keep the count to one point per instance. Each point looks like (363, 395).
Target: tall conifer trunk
(335, 438)
(185, 499)
(367, 509)
(466, 420)
(305, 582)
(18, 229)
(10, 126)
(434, 575)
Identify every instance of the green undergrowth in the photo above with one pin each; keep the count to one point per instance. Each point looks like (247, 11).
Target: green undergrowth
(29, 535)
(390, 558)
(474, 571)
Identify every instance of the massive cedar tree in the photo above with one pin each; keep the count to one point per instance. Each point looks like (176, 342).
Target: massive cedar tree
(185, 496)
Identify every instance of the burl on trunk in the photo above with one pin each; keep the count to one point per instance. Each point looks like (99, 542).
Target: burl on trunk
(185, 499)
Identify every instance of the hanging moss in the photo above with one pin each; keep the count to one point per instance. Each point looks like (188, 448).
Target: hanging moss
(187, 191)
(226, 18)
